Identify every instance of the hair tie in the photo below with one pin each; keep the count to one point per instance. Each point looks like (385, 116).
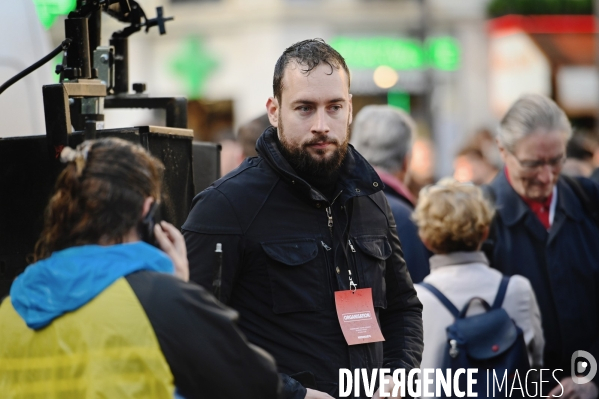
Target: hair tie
(78, 155)
(67, 155)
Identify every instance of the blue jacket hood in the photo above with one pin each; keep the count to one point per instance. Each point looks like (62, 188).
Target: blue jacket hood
(70, 278)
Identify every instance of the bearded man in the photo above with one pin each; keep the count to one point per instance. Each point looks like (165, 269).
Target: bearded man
(302, 225)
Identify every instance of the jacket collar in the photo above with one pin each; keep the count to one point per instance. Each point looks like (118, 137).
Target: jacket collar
(512, 208)
(567, 201)
(507, 202)
(356, 176)
(395, 186)
(457, 259)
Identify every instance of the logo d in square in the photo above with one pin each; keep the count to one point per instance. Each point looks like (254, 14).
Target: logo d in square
(580, 367)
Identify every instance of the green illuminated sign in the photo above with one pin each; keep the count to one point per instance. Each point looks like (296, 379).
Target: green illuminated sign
(444, 53)
(49, 10)
(400, 54)
(193, 65)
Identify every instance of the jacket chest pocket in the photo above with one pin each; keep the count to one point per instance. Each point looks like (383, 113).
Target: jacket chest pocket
(371, 255)
(296, 275)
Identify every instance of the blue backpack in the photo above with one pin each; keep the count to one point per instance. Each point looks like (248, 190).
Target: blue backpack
(488, 341)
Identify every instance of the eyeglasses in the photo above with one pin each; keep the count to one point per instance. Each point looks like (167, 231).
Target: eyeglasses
(531, 166)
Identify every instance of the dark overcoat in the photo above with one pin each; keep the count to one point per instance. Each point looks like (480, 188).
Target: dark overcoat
(562, 264)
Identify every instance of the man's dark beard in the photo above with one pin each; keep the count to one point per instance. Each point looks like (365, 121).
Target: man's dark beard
(303, 162)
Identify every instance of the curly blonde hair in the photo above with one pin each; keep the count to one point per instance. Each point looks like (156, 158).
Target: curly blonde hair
(452, 216)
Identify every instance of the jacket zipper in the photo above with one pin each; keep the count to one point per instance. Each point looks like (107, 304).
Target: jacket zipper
(330, 216)
(330, 213)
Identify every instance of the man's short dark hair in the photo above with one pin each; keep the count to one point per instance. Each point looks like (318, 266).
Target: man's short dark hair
(308, 54)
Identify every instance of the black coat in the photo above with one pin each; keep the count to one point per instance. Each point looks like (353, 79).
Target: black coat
(562, 265)
(283, 259)
(416, 254)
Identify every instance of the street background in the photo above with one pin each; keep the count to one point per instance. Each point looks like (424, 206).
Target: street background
(455, 65)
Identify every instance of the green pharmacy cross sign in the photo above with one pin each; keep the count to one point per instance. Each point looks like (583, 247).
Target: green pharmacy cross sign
(441, 53)
(193, 65)
(49, 10)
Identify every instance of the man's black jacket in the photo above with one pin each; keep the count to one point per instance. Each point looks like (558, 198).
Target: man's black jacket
(283, 259)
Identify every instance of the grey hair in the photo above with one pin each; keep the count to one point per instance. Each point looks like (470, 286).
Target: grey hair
(527, 115)
(383, 135)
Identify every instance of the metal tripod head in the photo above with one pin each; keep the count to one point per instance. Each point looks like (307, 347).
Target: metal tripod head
(90, 72)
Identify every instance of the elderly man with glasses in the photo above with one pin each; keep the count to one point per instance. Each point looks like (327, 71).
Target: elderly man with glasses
(544, 230)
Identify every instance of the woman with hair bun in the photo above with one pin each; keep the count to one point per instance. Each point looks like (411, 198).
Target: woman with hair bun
(453, 221)
(103, 314)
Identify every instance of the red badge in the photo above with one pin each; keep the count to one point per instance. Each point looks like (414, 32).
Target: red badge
(357, 317)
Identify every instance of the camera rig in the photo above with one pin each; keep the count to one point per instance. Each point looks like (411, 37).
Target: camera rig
(93, 78)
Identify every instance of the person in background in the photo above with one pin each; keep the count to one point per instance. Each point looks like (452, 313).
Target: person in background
(249, 132)
(453, 220)
(545, 231)
(231, 152)
(579, 156)
(471, 166)
(384, 135)
(103, 314)
(478, 161)
(422, 165)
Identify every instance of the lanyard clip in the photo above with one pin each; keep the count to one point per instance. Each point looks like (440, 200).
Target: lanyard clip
(352, 286)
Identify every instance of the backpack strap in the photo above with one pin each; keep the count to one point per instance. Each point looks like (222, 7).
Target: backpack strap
(464, 311)
(442, 298)
(501, 292)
